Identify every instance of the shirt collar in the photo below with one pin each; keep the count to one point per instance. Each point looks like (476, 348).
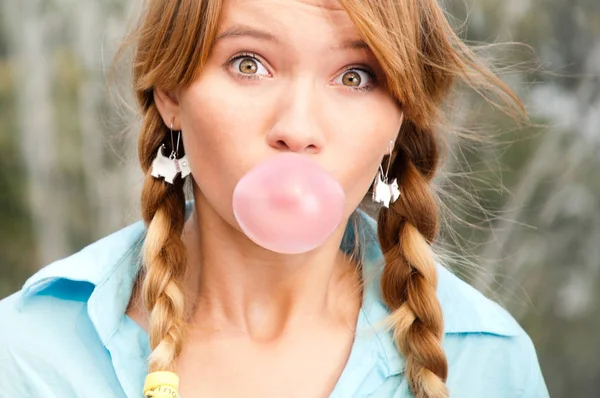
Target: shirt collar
(93, 264)
(111, 265)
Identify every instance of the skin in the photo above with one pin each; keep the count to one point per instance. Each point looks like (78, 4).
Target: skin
(263, 323)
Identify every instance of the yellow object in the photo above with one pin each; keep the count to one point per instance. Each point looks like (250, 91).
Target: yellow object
(161, 385)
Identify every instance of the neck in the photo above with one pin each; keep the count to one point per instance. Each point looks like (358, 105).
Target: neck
(245, 289)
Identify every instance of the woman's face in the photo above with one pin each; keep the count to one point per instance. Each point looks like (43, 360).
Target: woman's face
(284, 75)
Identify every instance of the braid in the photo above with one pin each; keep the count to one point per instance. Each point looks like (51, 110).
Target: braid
(409, 277)
(163, 210)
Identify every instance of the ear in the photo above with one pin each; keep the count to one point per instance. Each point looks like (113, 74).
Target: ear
(400, 123)
(168, 107)
(396, 133)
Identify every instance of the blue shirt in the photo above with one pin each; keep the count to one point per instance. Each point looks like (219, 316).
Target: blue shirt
(65, 334)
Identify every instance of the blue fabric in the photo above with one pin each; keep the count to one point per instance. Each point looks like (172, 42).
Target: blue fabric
(65, 334)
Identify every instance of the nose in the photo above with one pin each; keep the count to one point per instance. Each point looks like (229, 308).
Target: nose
(298, 125)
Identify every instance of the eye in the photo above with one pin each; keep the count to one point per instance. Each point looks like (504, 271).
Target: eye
(356, 79)
(248, 66)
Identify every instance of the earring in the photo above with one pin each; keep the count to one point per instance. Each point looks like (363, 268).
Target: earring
(385, 192)
(169, 167)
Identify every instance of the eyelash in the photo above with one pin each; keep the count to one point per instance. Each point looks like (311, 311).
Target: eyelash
(231, 60)
(361, 68)
(369, 72)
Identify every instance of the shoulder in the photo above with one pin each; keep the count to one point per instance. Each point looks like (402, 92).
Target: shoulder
(485, 345)
(40, 321)
(52, 339)
(39, 340)
(60, 291)
(50, 348)
(465, 309)
(489, 354)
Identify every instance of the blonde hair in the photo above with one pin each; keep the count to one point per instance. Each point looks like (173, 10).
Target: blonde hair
(422, 58)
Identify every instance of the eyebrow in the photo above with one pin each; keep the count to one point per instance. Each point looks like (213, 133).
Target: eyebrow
(357, 44)
(241, 30)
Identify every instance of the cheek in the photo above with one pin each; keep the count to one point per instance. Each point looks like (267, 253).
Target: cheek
(212, 119)
(218, 131)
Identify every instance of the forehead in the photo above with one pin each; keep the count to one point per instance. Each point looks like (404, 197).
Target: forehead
(308, 17)
(332, 5)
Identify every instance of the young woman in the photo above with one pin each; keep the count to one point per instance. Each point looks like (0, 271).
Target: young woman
(217, 296)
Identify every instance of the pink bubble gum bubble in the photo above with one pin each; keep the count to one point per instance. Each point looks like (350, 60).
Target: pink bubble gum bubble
(288, 204)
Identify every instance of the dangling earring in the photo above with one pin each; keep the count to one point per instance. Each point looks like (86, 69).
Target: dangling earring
(385, 192)
(171, 166)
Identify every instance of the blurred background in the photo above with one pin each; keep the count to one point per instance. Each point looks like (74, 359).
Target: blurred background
(69, 173)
